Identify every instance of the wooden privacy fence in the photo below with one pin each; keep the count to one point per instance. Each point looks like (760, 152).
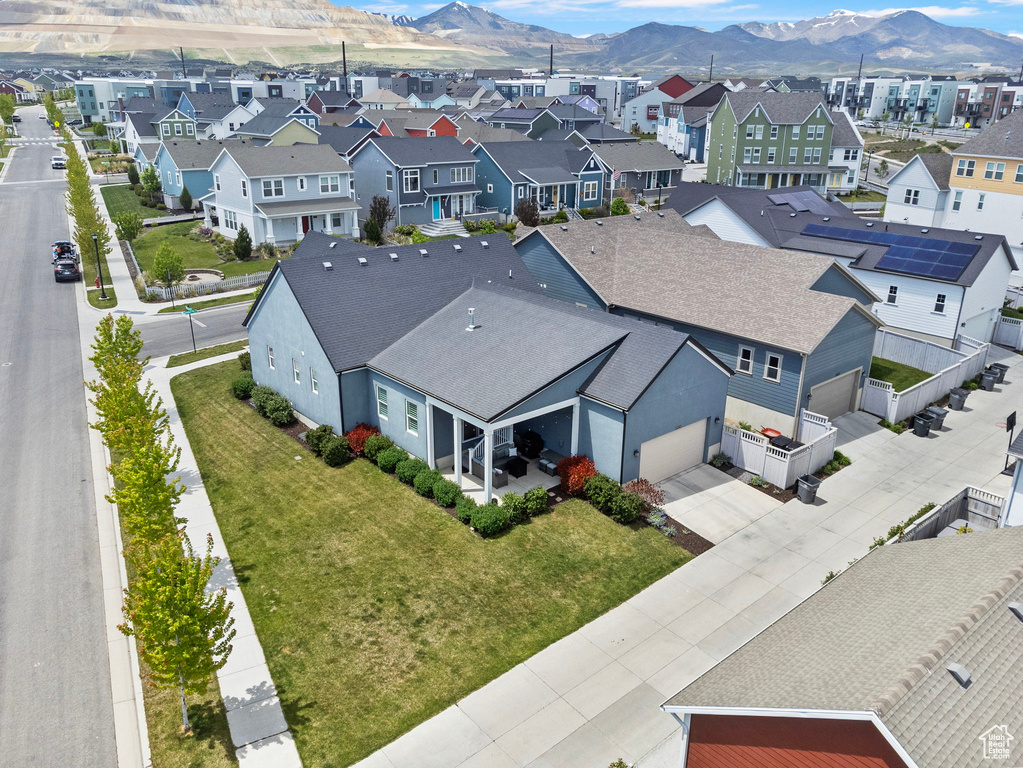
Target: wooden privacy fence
(951, 367)
(196, 290)
(1009, 332)
(754, 453)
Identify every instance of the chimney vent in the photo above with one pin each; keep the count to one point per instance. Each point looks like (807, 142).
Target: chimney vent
(924, 231)
(564, 228)
(472, 319)
(660, 214)
(1017, 609)
(332, 245)
(423, 252)
(394, 257)
(827, 218)
(327, 266)
(792, 215)
(636, 218)
(362, 261)
(978, 237)
(870, 223)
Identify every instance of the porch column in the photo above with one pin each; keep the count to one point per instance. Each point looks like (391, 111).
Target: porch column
(328, 219)
(431, 460)
(488, 466)
(299, 234)
(206, 220)
(575, 428)
(458, 450)
(270, 237)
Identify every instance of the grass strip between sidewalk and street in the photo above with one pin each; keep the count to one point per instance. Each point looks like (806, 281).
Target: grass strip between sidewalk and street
(208, 303)
(375, 609)
(206, 352)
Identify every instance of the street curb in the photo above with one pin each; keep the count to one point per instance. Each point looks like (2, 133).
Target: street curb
(7, 163)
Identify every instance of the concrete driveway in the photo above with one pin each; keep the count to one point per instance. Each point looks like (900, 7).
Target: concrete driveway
(709, 502)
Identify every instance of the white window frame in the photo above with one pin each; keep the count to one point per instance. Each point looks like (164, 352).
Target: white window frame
(1019, 173)
(912, 196)
(590, 190)
(777, 366)
(389, 181)
(741, 359)
(271, 184)
(296, 372)
(178, 131)
(490, 188)
(336, 220)
(230, 220)
(893, 296)
(756, 155)
(302, 184)
(190, 129)
(412, 417)
(216, 181)
(965, 168)
(939, 304)
(747, 155)
(462, 174)
(314, 383)
(957, 200)
(807, 155)
(772, 153)
(793, 155)
(994, 171)
(270, 358)
(749, 131)
(980, 201)
(330, 184)
(795, 132)
(774, 131)
(407, 175)
(245, 188)
(381, 402)
(166, 129)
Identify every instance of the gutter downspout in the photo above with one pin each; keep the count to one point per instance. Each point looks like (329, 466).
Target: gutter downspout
(625, 430)
(683, 722)
(802, 373)
(341, 401)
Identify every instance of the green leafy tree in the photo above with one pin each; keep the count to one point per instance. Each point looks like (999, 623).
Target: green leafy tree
(186, 199)
(7, 105)
(142, 493)
(99, 129)
(183, 632)
(243, 244)
(133, 174)
(168, 266)
(150, 180)
(128, 225)
(372, 231)
(619, 207)
(882, 169)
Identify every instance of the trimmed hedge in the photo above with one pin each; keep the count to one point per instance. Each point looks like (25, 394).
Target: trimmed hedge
(334, 450)
(464, 508)
(390, 458)
(272, 406)
(245, 361)
(515, 505)
(374, 445)
(446, 492)
(627, 507)
(489, 520)
(602, 492)
(408, 469)
(424, 482)
(536, 501)
(315, 437)
(242, 386)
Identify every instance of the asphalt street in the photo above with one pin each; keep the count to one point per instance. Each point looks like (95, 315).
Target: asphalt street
(169, 335)
(55, 695)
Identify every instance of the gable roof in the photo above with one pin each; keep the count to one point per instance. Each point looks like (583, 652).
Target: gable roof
(659, 265)
(780, 108)
(267, 125)
(381, 96)
(292, 160)
(573, 112)
(878, 638)
(344, 140)
(1001, 139)
(603, 132)
(418, 151)
(938, 166)
(482, 132)
(844, 133)
(515, 158)
(143, 122)
(516, 115)
(198, 155)
(638, 156)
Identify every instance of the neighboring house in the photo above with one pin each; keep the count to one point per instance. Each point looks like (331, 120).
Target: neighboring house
(184, 164)
(464, 355)
(422, 123)
(808, 346)
(644, 110)
(283, 109)
(467, 95)
(934, 283)
(557, 174)
(216, 115)
(646, 168)
(144, 155)
(281, 193)
(346, 120)
(682, 122)
(473, 132)
(531, 122)
(768, 140)
(430, 100)
(327, 102)
(917, 192)
(583, 100)
(345, 140)
(278, 131)
(19, 92)
(846, 153)
(381, 99)
(912, 657)
(426, 179)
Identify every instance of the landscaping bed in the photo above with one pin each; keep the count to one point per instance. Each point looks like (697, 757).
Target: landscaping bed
(120, 198)
(374, 611)
(721, 462)
(200, 249)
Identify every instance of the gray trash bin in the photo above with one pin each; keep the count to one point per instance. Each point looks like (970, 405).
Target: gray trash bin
(806, 488)
(922, 424)
(1001, 368)
(957, 398)
(987, 381)
(939, 415)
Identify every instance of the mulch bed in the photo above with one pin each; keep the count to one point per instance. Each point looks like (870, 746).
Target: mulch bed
(690, 541)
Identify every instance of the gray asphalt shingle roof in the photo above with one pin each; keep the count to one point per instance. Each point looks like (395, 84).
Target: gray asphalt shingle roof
(879, 638)
(188, 155)
(781, 108)
(638, 156)
(1001, 139)
(513, 157)
(417, 151)
(604, 132)
(844, 133)
(516, 115)
(286, 161)
(343, 139)
(264, 124)
(939, 167)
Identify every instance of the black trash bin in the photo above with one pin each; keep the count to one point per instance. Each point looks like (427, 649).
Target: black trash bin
(806, 488)
(939, 415)
(922, 424)
(957, 398)
(987, 381)
(1001, 368)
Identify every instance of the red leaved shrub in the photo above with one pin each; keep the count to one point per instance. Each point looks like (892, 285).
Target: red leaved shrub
(357, 437)
(574, 472)
(651, 494)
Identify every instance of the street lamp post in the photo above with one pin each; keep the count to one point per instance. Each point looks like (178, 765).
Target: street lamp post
(99, 268)
(866, 171)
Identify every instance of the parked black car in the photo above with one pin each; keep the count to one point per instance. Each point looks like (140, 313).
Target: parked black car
(16, 118)
(66, 270)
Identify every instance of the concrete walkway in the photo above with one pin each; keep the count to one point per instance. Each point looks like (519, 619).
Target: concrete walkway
(713, 504)
(593, 696)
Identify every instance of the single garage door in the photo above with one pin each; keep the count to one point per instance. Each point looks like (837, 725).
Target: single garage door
(836, 397)
(672, 453)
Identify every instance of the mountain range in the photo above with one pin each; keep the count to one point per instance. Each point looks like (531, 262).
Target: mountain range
(463, 35)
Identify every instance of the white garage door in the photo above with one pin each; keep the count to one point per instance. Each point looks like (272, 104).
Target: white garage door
(835, 397)
(669, 454)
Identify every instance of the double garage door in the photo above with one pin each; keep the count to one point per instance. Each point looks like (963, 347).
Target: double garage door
(672, 453)
(835, 397)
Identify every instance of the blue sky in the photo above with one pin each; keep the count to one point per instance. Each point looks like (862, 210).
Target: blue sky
(589, 16)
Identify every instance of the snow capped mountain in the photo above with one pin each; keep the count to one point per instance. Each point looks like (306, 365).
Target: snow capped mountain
(398, 21)
(470, 23)
(822, 29)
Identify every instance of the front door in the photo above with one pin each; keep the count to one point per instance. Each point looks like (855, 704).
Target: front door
(307, 224)
(436, 208)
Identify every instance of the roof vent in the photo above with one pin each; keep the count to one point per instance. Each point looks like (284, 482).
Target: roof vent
(827, 218)
(1017, 609)
(423, 252)
(458, 248)
(394, 256)
(564, 228)
(978, 237)
(960, 673)
(362, 261)
(327, 266)
(924, 231)
(600, 223)
(660, 214)
(792, 215)
(484, 243)
(472, 319)
(870, 223)
(332, 245)
(636, 218)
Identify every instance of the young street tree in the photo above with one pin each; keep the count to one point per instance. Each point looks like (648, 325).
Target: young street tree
(150, 180)
(133, 174)
(129, 225)
(184, 631)
(186, 199)
(7, 105)
(243, 244)
(168, 267)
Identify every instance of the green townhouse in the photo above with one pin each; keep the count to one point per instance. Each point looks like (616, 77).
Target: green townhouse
(769, 140)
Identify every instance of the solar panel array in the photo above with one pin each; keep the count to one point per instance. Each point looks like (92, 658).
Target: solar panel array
(920, 256)
(804, 200)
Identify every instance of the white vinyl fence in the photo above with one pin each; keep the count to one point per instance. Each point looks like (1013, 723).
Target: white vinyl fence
(754, 453)
(1015, 297)
(951, 367)
(1009, 333)
(196, 290)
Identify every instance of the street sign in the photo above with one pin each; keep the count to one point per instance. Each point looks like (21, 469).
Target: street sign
(1010, 423)
(189, 311)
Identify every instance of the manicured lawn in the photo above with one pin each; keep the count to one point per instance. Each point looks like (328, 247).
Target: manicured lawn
(237, 299)
(196, 254)
(119, 199)
(209, 746)
(94, 298)
(1010, 312)
(863, 196)
(375, 609)
(898, 375)
(207, 352)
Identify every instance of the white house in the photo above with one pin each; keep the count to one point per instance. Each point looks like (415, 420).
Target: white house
(918, 192)
(846, 151)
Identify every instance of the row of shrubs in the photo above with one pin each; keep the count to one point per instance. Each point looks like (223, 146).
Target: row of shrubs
(154, 200)
(488, 227)
(623, 504)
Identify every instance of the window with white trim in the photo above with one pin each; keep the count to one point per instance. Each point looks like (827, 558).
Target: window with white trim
(957, 201)
(436, 176)
(771, 152)
(744, 363)
(270, 358)
(980, 201)
(190, 129)
(772, 371)
(330, 185)
(807, 155)
(893, 294)
(314, 383)
(230, 220)
(939, 304)
(747, 155)
(756, 154)
(792, 155)
(490, 188)
(461, 175)
(381, 402)
(912, 197)
(335, 221)
(216, 182)
(795, 131)
(177, 129)
(965, 167)
(774, 131)
(273, 187)
(245, 188)
(295, 371)
(389, 181)
(166, 129)
(851, 155)
(410, 180)
(522, 192)
(1019, 173)
(994, 171)
(590, 189)
(749, 131)
(412, 417)
(301, 184)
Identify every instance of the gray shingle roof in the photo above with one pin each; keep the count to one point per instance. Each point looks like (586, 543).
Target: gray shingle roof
(343, 139)
(417, 151)
(481, 133)
(198, 154)
(603, 132)
(278, 106)
(144, 123)
(1002, 139)
(844, 133)
(573, 112)
(879, 638)
(516, 115)
(514, 156)
(781, 108)
(660, 266)
(638, 156)
(939, 166)
(287, 161)
(264, 124)
(309, 207)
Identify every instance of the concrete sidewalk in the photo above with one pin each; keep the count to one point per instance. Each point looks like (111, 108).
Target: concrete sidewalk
(593, 696)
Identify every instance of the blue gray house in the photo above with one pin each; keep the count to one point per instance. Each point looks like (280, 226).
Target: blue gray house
(184, 164)
(558, 174)
(453, 351)
(427, 180)
(796, 328)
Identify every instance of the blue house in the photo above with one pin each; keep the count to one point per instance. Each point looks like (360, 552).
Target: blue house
(453, 351)
(184, 164)
(558, 174)
(796, 328)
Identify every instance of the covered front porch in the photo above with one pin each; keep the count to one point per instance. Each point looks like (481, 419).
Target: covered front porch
(552, 188)
(288, 222)
(451, 202)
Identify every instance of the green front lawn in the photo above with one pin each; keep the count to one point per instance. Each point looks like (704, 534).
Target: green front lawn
(119, 199)
(375, 609)
(898, 375)
(195, 252)
(863, 196)
(206, 352)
